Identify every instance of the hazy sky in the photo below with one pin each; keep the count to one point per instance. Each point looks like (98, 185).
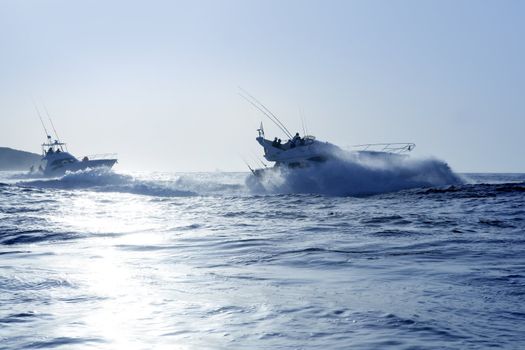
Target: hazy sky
(157, 81)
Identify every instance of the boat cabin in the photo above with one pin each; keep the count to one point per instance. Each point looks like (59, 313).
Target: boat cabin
(55, 155)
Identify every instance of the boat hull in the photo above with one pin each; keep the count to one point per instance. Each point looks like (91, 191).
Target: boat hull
(78, 166)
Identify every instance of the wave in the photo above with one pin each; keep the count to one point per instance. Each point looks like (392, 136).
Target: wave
(211, 183)
(11, 236)
(478, 190)
(357, 174)
(346, 174)
(105, 180)
(166, 185)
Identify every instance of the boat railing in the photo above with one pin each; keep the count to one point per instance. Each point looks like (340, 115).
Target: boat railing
(396, 147)
(101, 156)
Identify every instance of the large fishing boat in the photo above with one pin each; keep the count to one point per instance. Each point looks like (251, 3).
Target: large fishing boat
(307, 151)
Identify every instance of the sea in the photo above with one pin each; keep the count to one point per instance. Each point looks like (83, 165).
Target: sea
(414, 257)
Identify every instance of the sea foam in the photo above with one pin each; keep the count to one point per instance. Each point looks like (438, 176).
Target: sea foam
(357, 174)
(106, 180)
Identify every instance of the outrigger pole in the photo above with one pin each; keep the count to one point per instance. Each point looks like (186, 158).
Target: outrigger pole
(302, 121)
(51, 121)
(53, 126)
(262, 108)
(41, 121)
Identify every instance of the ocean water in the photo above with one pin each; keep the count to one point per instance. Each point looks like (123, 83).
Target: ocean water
(113, 260)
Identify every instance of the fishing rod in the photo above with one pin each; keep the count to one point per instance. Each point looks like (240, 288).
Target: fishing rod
(266, 114)
(263, 109)
(288, 133)
(248, 165)
(257, 159)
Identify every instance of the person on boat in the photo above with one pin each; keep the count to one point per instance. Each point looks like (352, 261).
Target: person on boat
(85, 159)
(279, 144)
(296, 140)
(274, 143)
(50, 150)
(58, 150)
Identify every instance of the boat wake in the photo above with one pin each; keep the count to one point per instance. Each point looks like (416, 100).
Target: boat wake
(105, 180)
(347, 175)
(357, 174)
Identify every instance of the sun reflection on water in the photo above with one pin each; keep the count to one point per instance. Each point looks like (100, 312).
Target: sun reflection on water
(128, 299)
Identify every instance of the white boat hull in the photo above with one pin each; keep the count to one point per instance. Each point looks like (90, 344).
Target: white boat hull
(78, 166)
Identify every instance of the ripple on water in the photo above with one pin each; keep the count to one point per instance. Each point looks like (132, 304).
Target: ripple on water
(63, 342)
(16, 236)
(439, 268)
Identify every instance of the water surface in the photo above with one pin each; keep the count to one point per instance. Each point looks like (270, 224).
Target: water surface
(195, 261)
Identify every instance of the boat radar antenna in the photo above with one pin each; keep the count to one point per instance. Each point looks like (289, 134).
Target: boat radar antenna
(262, 108)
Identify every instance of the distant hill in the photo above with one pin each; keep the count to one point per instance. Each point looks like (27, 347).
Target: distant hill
(12, 159)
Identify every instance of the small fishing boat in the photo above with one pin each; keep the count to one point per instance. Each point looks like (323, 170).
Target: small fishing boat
(56, 160)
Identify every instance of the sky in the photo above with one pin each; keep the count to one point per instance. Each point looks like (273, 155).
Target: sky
(157, 81)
